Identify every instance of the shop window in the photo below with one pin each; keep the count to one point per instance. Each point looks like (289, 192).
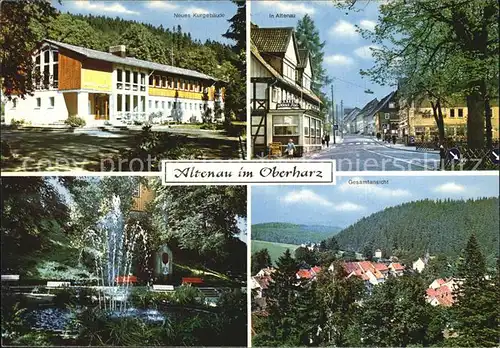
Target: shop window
(286, 125)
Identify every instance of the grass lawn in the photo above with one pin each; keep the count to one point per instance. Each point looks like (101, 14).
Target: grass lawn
(274, 249)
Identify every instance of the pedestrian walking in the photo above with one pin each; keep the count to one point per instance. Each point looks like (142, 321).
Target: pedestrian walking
(323, 140)
(327, 140)
(290, 148)
(394, 140)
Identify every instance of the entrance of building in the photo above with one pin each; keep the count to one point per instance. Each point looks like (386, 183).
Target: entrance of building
(99, 106)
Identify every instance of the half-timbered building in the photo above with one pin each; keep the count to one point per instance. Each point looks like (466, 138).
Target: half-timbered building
(283, 105)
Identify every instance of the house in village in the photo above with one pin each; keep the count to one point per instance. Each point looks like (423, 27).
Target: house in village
(283, 105)
(350, 124)
(420, 264)
(378, 254)
(308, 273)
(396, 268)
(440, 292)
(365, 119)
(386, 115)
(112, 88)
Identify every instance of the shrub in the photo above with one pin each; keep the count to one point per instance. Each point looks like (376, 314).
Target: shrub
(17, 123)
(186, 294)
(6, 150)
(75, 121)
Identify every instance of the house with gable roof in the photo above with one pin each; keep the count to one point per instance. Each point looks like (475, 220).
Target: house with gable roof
(283, 104)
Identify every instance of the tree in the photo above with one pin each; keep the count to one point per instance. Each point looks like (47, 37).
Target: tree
(304, 255)
(143, 44)
(33, 211)
(396, 314)
(22, 25)
(68, 29)
(280, 326)
(203, 219)
(441, 49)
(476, 310)
(338, 296)
(235, 94)
(260, 259)
(308, 39)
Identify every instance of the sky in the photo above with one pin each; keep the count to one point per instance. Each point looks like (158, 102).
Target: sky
(161, 12)
(343, 204)
(346, 52)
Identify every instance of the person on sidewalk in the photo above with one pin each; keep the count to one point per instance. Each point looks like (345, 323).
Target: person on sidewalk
(290, 148)
(394, 140)
(323, 140)
(327, 139)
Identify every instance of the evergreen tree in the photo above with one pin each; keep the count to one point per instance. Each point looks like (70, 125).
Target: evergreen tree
(308, 38)
(337, 296)
(280, 327)
(260, 259)
(476, 309)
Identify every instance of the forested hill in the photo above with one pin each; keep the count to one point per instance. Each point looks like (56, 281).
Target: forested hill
(441, 227)
(144, 41)
(280, 232)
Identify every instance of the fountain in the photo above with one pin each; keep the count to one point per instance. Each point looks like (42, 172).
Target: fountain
(112, 244)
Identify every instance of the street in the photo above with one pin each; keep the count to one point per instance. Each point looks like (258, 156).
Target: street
(362, 153)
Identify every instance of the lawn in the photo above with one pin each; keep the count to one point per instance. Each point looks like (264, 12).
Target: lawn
(274, 249)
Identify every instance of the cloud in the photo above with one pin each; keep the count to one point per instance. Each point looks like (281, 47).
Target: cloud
(365, 52)
(367, 24)
(196, 10)
(288, 6)
(449, 187)
(339, 59)
(372, 189)
(102, 7)
(344, 29)
(306, 196)
(348, 206)
(161, 5)
(310, 197)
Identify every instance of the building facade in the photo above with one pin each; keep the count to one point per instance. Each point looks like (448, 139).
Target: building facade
(111, 88)
(417, 120)
(283, 106)
(387, 115)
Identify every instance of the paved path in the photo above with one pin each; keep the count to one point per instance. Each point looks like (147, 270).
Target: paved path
(359, 153)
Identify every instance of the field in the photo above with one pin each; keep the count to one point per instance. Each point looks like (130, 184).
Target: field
(275, 249)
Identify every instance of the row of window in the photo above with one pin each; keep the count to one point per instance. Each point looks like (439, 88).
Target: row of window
(289, 126)
(130, 80)
(174, 83)
(47, 68)
(175, 105)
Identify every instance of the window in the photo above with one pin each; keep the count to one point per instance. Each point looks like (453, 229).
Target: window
(286, 125)
(135, 100)
(127, 103)
(190, 106)
(452, 112)
(460, 112)
(164, 82)
(157, 104)
(143, 104)
(127, 76)
(163, 105)
(136, 77)
(150, 104)
(151, 80)
(51, 102)
(175, 84)
(14, 103)
(143, 78)
(119, 75)
(391, 105)
(169, 105)
(275, 95)
(119, 106)
(201, 106)
(157, 81)
(38, 103)
(136, 193)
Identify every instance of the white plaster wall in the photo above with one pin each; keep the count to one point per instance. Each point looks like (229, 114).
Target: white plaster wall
(28, 111)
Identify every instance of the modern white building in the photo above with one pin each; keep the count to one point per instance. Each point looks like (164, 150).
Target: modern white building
(111, 88)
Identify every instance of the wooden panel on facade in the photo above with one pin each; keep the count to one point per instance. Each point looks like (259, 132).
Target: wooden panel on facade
(70, 70)
(165, 92)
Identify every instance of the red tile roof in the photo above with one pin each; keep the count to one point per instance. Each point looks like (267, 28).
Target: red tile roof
(397, 266)
(304, 274)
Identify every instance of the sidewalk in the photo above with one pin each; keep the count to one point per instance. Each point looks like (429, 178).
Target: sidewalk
(401, 147)
(314, 154)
